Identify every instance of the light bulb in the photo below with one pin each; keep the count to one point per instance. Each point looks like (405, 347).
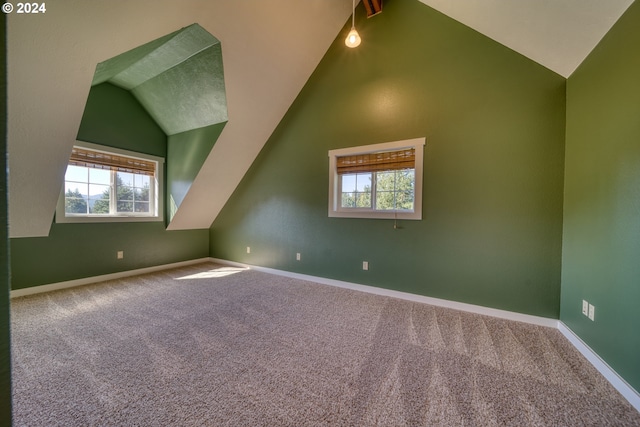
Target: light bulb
(353, 38)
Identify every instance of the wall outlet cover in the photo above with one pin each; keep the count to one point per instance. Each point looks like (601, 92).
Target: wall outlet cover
(585, 308)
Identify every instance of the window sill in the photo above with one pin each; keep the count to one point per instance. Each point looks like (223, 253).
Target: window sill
(100, 219)
(375, 215)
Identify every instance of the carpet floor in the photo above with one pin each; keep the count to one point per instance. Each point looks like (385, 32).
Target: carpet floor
(210, 345)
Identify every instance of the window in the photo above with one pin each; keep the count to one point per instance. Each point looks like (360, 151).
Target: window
(106, 184)
(377, 181)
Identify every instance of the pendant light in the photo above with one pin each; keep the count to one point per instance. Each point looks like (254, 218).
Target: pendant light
(353, 38)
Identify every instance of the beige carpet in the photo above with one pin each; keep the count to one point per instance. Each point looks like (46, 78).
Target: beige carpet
(213, 346)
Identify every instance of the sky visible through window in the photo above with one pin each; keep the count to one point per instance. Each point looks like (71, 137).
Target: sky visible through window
(93, 182)
(356, 182)
(87, 181)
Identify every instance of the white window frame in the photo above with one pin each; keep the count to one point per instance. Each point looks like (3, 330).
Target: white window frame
(335, 208)
(157, 201)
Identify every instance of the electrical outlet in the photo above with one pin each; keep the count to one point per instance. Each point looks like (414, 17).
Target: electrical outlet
(592, 312)
(365, 265)
(248, 249)
(585, 308)
(298, 256)
(120, 255)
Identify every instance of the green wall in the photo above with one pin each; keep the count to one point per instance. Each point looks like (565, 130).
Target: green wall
(5, 341)
(601, 249)
(178, 81)
(112, 117)
(492, 214)
(74, 251)
(186, 153)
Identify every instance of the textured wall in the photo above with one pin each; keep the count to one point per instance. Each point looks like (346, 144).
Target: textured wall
(601, 243)
(494, 123)
(114, 118)
(71, 251)
(178, 81)
(186, 152)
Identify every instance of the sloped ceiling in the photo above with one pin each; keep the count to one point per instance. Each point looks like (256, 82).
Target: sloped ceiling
(154, 73)
(269, 49)
(558, 34)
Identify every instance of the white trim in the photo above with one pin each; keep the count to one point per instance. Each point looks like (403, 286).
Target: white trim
(612, 376)
(471, 308)
(628, 392)
(112, 276)
(157, 192)
(334, 210)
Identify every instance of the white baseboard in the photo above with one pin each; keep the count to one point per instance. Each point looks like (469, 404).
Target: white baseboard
(494, 312)
(113, 276)
(612, 376)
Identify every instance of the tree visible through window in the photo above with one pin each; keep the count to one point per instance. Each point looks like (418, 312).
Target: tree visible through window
(103, 184)
(384, 191)
(377, 181)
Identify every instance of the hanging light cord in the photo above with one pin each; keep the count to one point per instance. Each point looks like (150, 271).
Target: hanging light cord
(353, 15)
(353, 38)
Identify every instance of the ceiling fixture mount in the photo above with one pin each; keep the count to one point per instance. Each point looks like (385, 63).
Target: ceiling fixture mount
(353, 38)
(373, 7)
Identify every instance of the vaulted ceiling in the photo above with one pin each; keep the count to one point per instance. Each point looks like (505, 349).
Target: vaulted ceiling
(178, 79)
(558, 34)
(269, 48)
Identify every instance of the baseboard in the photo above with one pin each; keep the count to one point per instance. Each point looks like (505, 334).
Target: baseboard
(612, 376)
(112, 276)
(471, 308)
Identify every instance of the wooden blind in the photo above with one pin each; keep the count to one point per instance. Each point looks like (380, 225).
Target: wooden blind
(374, 162)
(99, 160)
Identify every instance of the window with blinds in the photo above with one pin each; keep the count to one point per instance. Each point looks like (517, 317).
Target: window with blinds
(373, 162)
(377, 181)
(107, 184)
(84, 157)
